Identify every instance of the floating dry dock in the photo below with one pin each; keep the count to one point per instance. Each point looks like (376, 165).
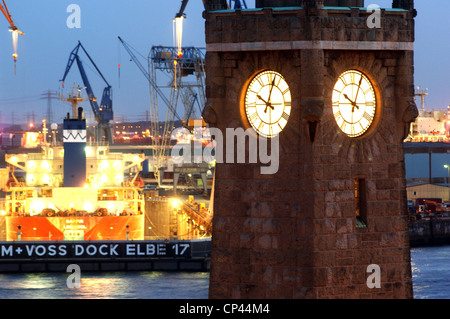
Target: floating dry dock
(136, 255)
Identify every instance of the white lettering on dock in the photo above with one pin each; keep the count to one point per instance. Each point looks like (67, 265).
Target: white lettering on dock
(7, 251)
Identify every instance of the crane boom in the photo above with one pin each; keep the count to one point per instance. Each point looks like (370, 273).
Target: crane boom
(8, 17)
(103, 113)
(149, 78)
(183, 7)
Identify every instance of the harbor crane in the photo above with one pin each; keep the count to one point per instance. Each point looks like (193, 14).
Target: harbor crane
(103, 113)
(160, 60)
(15, 31)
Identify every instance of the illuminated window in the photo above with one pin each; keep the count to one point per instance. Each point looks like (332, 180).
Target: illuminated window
(360, 203)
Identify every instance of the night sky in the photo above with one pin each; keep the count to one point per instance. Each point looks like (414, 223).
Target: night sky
(44, 50)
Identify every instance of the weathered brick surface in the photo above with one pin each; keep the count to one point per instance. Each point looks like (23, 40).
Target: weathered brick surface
(293, 234)
(270, 25)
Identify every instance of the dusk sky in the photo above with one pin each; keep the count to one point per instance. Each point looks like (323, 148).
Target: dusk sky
(44, 50)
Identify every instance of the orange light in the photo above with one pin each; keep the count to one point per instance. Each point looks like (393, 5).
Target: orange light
(175, 62)
(15, 56)
(180, 54)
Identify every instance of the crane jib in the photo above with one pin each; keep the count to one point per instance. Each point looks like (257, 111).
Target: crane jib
(106, 104)
(103, 113)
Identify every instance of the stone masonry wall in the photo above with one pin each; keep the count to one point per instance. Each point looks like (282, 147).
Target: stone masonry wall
(294, 25)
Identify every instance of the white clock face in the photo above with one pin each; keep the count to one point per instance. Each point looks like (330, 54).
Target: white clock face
(268, 103)
(354, 103)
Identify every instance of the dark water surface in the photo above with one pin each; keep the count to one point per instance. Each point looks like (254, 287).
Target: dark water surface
(120, 285)
(430, 270)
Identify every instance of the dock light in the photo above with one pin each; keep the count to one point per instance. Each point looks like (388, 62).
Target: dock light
(448, 179)
(119, 178)
(103, 179)
(46, 179)
(31, 179)
(104, 165)
(45, 165)
(110, 207)
(178, 33)
(88, 151)
(31, 165)
(87, 206)
(175, 203)
(117, 165)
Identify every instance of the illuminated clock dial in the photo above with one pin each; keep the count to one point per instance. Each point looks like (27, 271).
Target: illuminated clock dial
(354, 103)
(268, 103)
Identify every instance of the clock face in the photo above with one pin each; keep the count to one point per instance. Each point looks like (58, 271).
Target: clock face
(268, 103)
(354, 103)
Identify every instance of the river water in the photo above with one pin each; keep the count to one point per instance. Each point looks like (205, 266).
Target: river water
(430, 270)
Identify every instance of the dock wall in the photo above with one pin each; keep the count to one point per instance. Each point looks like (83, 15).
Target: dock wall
(429, 232)
(27, 256)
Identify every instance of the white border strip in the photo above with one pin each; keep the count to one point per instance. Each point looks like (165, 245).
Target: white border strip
(310, 45)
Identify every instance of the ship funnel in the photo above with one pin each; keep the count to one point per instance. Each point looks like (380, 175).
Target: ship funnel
(74, 136)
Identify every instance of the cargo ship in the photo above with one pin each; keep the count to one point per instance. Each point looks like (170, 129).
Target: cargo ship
(74, 191)
(78, 190)
(77, 202)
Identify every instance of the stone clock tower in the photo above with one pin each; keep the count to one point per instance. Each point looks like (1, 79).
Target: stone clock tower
(335, 91)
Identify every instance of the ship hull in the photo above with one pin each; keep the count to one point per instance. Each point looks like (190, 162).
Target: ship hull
(74, 228)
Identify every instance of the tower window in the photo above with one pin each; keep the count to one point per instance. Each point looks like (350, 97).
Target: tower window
(360, 203)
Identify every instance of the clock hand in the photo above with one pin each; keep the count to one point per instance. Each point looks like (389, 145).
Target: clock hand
(345, 95)
(352, 113)
(359, 86)
(268, 104)
(270, 93)
(353, 103)
(259, 97)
